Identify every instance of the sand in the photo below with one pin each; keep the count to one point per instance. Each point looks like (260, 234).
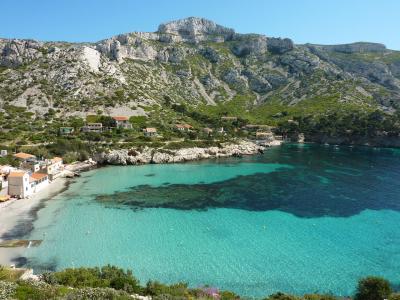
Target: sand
(17, 216)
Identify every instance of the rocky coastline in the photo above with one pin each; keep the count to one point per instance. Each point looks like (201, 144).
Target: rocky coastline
(159, 156)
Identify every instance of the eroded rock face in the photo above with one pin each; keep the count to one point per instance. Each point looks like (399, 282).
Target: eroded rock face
(17, 52)
(192, 60)
(360, 47)
(246, 44)
(279, 46)
(193, 30)
(92, 58)
(158, 156)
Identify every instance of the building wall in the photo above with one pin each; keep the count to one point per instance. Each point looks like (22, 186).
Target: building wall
(19, 186)
(40, 184)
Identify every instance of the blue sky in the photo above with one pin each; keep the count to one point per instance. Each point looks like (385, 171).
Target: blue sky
(314, 21)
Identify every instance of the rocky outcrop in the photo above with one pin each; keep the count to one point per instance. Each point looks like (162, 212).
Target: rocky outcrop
(158, 156)
(360, 47)
(193, 30)
(279, 46)
(131, 46)
(15, 52)
(192, 61)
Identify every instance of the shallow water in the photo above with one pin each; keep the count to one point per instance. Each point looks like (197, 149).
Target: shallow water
(298, 219)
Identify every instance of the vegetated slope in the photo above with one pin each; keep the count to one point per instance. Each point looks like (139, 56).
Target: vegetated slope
(203, 65)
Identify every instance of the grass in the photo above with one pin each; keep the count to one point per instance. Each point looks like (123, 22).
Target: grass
(8, 274)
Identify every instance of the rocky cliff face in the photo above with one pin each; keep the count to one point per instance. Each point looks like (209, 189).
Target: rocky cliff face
(159, 156)
(14, 53)
(192, 61)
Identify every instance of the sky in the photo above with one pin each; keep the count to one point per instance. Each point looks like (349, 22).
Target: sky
(304, 21)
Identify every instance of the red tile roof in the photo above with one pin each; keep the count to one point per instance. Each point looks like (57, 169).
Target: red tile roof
(23, 155)
(120, 118)
(16, 174)
(38, 176)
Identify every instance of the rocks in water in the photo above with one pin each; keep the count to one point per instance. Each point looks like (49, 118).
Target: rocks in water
(158, 156)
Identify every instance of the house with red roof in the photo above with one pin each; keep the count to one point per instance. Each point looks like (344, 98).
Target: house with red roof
(122, 122)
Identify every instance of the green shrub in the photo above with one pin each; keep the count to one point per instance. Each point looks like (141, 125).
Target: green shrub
(108, 276)
(282, 296)
(395, 296)
(373, 288)
(318, 297)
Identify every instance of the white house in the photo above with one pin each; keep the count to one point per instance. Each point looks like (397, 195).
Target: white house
(38, 181)
(93, 127)
(19, 184)
(53, 167)
(122, 122)
(183, 127)
(149, 132)
(24, 157)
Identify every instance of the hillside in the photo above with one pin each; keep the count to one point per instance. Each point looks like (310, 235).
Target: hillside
(209, 68)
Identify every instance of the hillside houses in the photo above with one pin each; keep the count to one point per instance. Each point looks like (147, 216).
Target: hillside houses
(183, 127)
(122, 122)
(30, 177)
(150, 132)
(93, 127)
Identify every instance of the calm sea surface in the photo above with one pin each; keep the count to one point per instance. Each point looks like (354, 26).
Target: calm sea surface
(297, 219)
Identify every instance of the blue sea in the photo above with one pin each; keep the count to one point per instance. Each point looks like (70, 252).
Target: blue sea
(297, 219)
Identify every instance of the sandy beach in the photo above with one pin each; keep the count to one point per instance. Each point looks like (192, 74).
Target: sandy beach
(16, 217)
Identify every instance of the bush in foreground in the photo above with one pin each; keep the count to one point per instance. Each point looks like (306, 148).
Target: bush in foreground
(373, 288)
(111, 282)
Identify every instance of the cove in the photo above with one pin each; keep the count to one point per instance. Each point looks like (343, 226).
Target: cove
(297, 219)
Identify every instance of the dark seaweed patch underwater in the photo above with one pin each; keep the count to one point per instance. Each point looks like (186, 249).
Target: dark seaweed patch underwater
(324, 181)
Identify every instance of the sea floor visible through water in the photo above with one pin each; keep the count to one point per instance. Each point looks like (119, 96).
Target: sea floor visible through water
(297, 219)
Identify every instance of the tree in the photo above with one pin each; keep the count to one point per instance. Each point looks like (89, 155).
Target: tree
(282, 296)
(373, 288)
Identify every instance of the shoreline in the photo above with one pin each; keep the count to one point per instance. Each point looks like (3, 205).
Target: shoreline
(17, 217)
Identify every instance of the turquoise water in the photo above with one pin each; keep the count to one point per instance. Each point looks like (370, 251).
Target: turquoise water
(298, 219)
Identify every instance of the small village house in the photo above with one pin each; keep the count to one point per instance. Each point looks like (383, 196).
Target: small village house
(183, 127)
(93, 127)
(38, 181)
(24, 157)
(53, 167)
(3, 152)
(150, 132)
(264, 135)
(3, 179)
(19, 184)
(122, 122)
(31, 165)
(4, 172)
(66, 130)
(207, 131)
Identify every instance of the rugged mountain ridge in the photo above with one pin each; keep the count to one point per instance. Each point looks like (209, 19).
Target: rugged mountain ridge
(196, 62)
